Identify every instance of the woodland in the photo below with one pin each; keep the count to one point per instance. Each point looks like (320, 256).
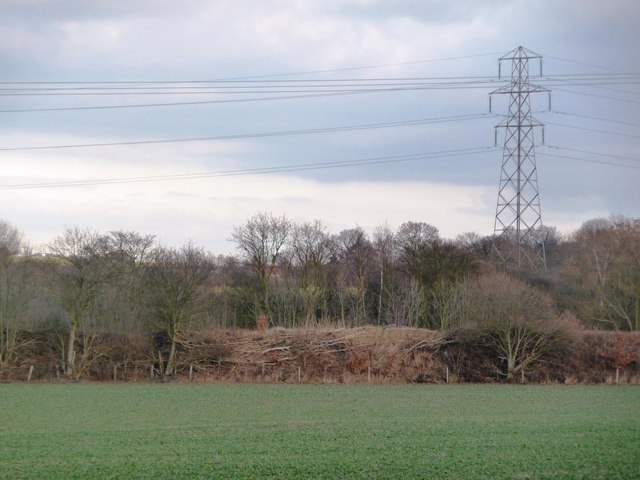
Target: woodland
(298, 303)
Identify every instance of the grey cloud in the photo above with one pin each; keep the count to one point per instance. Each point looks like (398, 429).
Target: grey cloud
(424, 11)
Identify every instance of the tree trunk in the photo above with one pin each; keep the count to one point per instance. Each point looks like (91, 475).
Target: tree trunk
(510, 367)
(71, 349)
(170, 368)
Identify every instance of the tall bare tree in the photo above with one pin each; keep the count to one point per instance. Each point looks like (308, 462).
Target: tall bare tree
(355, 255)
(82, 270)
(383, 242)
(311, 252)
(260, 242)
(11, 241)
(122, 296)
(414, 243)
(177, 277)
(600, 275)
(15, 287)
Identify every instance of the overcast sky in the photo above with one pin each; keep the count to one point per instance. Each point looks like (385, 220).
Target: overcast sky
(156, 40)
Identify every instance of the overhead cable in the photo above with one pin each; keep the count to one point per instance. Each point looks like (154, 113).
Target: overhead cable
(253, 171)
(423, 121)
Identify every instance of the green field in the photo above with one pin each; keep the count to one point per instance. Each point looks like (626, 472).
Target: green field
(318, 431)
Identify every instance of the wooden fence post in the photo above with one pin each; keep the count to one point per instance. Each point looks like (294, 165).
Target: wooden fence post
(30, 373)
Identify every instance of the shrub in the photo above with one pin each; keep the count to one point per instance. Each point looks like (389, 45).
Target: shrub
(509, 323)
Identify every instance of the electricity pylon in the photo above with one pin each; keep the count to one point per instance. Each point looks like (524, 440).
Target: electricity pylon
(518, 241)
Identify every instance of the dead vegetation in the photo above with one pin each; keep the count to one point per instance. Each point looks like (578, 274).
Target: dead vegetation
(327, 355)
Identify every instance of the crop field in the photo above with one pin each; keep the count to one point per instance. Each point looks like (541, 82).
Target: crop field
(318, 431)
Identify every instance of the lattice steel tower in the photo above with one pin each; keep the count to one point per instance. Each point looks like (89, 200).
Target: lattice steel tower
(518, 241)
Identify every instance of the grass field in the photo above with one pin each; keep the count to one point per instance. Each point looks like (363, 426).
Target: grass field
(318, 431)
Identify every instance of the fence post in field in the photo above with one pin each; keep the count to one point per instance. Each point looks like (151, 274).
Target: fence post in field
(447, 373)
(369, 374)
(617, 375)
(151, 372)
(115, 372)
(30, 373)
(190, 371)
(299, 374)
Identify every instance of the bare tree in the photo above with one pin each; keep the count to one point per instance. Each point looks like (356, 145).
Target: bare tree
(600, 275)
(515, 321)
(82, 271)
(354, 254)
(414, 241)
(383, 242)
(176, 278)
(311, 252)
(311, 248)
(122, 297)
(11, 242)
(260, 242)
(436, 265)
(15, 289)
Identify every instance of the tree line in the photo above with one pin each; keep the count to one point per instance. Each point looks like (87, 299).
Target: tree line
(86, 284)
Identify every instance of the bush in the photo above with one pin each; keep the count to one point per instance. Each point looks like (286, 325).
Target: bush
(511, 326)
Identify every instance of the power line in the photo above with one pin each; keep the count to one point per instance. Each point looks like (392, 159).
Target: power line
(599, 162)
(576, 150)
(568, 60)
(206, 102)
(423, 121)
(344, 69)
(590, 117)
(297, 94)
(254, 171)
(598, 96)
(600, 85)
(365, 89)
(620, 134)
(366, 67)
(356, 88)
(202, 87)
(173, 104)
(165, 84)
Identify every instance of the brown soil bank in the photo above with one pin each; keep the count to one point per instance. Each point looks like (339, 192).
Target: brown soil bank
(335, 355)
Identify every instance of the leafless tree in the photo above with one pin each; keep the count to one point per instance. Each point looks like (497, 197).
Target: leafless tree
(82, 270)
(602, 268)
(122, 297)
(383, 242)
(517, 322)
(260, 242)
(15, 289)
(311, 252)
(414, 240)
(311, 247)
(176, 278)
(99, 288)
(355, 255)
(11, 241)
